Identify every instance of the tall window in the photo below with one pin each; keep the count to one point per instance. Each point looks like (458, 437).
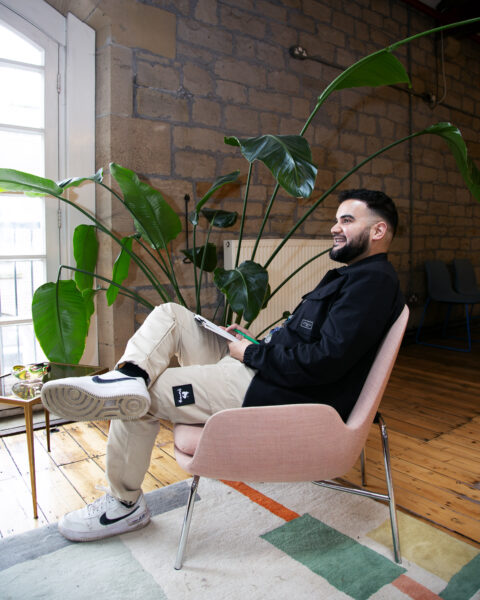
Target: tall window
(23, 221)
(41, 53)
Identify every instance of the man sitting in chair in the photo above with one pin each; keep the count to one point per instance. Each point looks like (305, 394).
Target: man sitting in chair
(321, 354)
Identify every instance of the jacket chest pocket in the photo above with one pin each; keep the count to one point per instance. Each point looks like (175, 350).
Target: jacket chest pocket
(308, 319)
(310, 315)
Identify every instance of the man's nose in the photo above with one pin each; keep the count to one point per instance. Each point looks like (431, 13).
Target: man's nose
(335, 229)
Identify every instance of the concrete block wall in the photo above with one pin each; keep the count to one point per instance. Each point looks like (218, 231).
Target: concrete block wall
(175, 77)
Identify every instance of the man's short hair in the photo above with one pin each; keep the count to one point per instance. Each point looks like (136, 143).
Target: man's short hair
(378, 202)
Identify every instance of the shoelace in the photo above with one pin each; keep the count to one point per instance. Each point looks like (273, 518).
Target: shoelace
(100, 504)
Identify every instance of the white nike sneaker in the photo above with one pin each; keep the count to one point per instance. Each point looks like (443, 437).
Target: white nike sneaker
(112, 395)
(105, 517)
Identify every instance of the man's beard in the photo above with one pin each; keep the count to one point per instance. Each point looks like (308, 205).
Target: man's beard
(351, 250)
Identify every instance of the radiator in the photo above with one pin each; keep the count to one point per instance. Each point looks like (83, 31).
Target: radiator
(291, 256)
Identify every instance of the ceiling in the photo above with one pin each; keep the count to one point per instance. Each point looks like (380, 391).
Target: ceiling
(450, 11)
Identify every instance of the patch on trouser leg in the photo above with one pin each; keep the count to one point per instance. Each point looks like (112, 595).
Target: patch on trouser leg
(183, 394)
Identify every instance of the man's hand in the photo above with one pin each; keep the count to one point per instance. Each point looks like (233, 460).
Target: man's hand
(237, 349)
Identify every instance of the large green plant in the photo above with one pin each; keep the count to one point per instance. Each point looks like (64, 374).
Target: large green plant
(62, 309)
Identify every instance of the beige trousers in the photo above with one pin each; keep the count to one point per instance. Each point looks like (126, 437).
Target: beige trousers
(207, 381)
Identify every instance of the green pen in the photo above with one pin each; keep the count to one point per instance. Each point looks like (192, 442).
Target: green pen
(246, 336)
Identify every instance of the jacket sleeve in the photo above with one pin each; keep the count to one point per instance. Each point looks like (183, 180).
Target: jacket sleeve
(355, 323)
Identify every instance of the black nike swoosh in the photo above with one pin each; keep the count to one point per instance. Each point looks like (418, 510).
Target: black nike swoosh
(97, 379)
(104, 520)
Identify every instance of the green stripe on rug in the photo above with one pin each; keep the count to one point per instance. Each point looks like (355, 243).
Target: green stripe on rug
(465, 583)
(352, 568)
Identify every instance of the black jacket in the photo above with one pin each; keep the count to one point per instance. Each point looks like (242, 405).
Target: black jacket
(324, 351)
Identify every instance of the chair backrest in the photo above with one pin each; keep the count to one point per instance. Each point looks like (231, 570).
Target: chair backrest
(372, 392)
(296, 442)
(439, 281)
(465, 279)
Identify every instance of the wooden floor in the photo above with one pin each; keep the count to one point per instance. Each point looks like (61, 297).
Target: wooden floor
(431, 407)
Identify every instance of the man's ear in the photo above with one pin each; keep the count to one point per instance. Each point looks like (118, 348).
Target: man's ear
(379, 230)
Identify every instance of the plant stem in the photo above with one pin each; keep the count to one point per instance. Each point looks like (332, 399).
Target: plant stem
(265, 219)
(194, 241)
(152, 278)
(125, 291)
(174, 281)
(105, 230)
(202, 265)
(436, 30)
(279, 287)
(244, 211)
(161, 265)
(270, 326)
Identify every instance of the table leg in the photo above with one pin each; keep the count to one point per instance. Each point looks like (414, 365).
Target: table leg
(47, 427)
(31, 456)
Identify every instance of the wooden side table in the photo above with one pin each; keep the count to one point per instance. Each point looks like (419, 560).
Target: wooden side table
(57, 371)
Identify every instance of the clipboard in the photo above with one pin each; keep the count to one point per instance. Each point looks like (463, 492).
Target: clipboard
(203, 322)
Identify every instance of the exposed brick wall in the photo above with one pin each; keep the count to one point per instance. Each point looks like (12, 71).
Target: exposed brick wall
(223, 68)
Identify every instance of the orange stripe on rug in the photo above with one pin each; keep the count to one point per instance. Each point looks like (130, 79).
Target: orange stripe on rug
(255, 496)
(414, 589)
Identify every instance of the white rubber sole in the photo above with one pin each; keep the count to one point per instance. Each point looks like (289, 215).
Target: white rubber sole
(124, 526)
(74, 402)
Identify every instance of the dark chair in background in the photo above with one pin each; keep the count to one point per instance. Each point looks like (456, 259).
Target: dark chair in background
(440, 289)
(465, 281)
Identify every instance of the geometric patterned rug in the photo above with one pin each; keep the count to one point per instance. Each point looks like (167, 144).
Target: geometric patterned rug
(255, 542)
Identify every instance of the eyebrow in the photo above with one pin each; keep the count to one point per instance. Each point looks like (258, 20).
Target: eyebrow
(347, 216)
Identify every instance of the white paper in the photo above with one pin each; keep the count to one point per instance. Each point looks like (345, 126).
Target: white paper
(215, 328)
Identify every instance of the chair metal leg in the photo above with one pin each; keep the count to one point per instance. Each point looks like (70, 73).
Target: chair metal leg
(186, 523)
(447, 320)
(363, 467)
(467, 319)
(422, 319)
(389, 497)
(391, 494)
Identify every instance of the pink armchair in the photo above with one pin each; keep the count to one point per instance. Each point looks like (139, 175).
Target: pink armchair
(297, 442)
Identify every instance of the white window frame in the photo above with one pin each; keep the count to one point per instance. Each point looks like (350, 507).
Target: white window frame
(75, 129)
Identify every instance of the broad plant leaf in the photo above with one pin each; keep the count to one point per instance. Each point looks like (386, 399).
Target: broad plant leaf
(18, 181)
(60, 321)
(85, 252)
(245, 287)
(216, 185)
(76, 181)
(154, 218)
(210, 256)
(456, 143)
(220, 218)
(121, 267)
(379, 68)
(288, 157)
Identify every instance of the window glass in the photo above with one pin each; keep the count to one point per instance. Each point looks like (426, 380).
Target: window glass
(22, 223)
(19, 346)
(22, 97)
(23, 151)
(14, 46)
(18, 281)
